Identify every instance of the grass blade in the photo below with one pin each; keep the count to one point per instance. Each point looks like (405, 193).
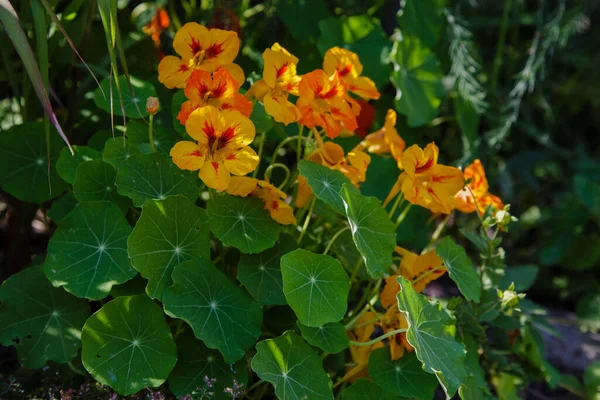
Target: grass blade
(12, 25)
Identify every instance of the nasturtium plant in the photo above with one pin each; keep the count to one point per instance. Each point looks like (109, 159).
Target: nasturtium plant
(88, 253)
(330, 337)
(43, 322)
(127, 345)
(66, 165)
(95, 181)
(133, 101)
(460, 268)
(364, 389)
(325, 183)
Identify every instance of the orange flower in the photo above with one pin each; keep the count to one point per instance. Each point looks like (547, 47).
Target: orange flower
(222, 149)
(219, 90)
(322, 103)
(386, 140)
(392, 320)
(365, 326)
(160, 21)
(331, 155)
(412, 267)
(279, 80)
(479, 188)
(427, 183)
(200, 48)
(272, 197)
(365, 118)
(347, 66)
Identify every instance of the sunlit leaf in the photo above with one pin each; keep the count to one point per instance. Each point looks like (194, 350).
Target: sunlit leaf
(293, 367)
(223, 315)
(325, 183)
(43, 322)
(315, 286)
(127, 345)
(167, 233)
(87, 254)
(431, 332)
(460, 268)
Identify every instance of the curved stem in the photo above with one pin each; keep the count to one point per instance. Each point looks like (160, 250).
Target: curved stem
(307, 220)
(151, 134)
(283, 167)
(427, 274)
(377, 339)
(338, 233)
(283, 143)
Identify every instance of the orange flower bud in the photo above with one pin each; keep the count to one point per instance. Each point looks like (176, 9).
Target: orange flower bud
(152, 105)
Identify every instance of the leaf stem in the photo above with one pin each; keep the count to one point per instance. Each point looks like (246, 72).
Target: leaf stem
(338, 233)
(151, 133)
(377, 339)
(252, 387)
(307, 220)
(500, 46)
(436, 234)
(427, 274)
(283, 167)
(283, 143)
(399, 201)
(403, 215)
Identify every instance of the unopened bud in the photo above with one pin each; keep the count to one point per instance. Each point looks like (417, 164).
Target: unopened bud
(152, 105)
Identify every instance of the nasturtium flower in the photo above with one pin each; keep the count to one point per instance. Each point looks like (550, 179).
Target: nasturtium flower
(331, 155)
(386, 140)
(478, 187)
(394, 319)
(420, 269)
(200, 48)
(425, 182)
(278, 81)
(273, 198)
(364, 329)
(218, 89)
(322, 103)
(347, 66)
(221, 149)
(365, 118)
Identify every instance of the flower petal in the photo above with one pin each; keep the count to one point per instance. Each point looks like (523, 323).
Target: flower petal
(281, 212)
(242, 161)
(173, 72)
(204, 124)
(236, 72)
(279, 66)
(241, 185)
(364, 87)
(191, 39)
(239, 129)
(215, 175)
(281, 109)
(188, 155)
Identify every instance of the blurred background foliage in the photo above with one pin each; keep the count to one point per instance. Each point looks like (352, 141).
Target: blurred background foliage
(514, 83)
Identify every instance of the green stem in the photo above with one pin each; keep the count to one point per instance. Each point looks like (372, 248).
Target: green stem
(436, 234)
(299, 149)
(335, 237)
(399, 200)
(151, 133)
(355, 270)
(372, 300)
(252, 387)
(261, 145)
(283, 167)
(377, 339)
(427, 274)
(283, 143)
(307, 220)
(403, 215)
(500, 45)
(77, 370)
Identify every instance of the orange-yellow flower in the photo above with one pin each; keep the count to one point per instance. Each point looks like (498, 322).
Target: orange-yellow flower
(279, 80)
(427, 183)
(365, 326)
(386, 140)
(479, 188)
(331, 155)
(322, 103)
(200, 48)
(272, 197)
(420, 269)
(348, 67)
(222, 149)
(219, 90)
(393, 319)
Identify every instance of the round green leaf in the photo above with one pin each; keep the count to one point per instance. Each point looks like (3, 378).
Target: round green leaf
(94, 181)
(293, 367)
(137, 133)
(88, 252)
(154, 176)
(243, 223)
(424, 19)
(134, 106)
(364, 389)
(418, 80)
(402, 377)
(118, 151)
(24, 163)
(44, 323)
(98, 139)
(373, 233)
(197, 364)
(67, 163)
(178, 99)
(127, 345)
(168, 233)
(261, 273)
(61, 207)
(431, 332)
(330, 338)
(325, 183)
(315, 286)
(224, 316)
(460, 268)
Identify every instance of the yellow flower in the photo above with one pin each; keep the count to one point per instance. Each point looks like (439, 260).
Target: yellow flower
(272, 197)
(331, 155)
(348, 67)
(427, 183)
(479, 188)
(386, 140)
(365, 326)
(279, 80)
(200, 48)
(222, 149)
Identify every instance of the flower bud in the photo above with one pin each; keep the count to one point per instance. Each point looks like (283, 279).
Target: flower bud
(152, 105)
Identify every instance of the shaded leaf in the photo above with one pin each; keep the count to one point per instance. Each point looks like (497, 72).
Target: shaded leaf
(94, 181)
(137, 133)
(364, 389)
(302, 17)
(423, 18)
(330, 337)
(67, 163)
(131, 104)
(61, 207)
(118, 151)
